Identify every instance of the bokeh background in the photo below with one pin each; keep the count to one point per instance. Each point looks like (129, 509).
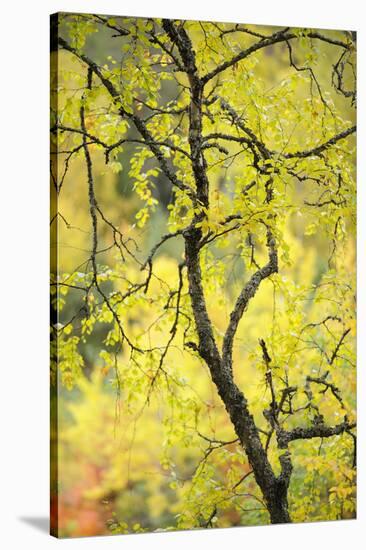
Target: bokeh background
(121, 465)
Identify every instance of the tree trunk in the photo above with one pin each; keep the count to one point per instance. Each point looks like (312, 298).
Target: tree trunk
(277, 503)
(274, 489)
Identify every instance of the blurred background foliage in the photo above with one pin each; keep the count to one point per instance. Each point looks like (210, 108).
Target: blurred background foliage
(128, 460)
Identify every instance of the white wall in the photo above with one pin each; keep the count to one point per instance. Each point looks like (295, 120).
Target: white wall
(24, 268)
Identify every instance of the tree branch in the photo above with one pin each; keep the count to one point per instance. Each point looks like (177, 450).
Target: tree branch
(264, 43)
(316, 151)
(94, 208)
(317, 430)
(246, 295)
(139, 124)
(280, 36)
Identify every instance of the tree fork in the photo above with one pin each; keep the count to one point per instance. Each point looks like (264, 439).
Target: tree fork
(273, 489)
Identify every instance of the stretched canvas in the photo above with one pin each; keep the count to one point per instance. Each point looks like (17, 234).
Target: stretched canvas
(202, 275)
